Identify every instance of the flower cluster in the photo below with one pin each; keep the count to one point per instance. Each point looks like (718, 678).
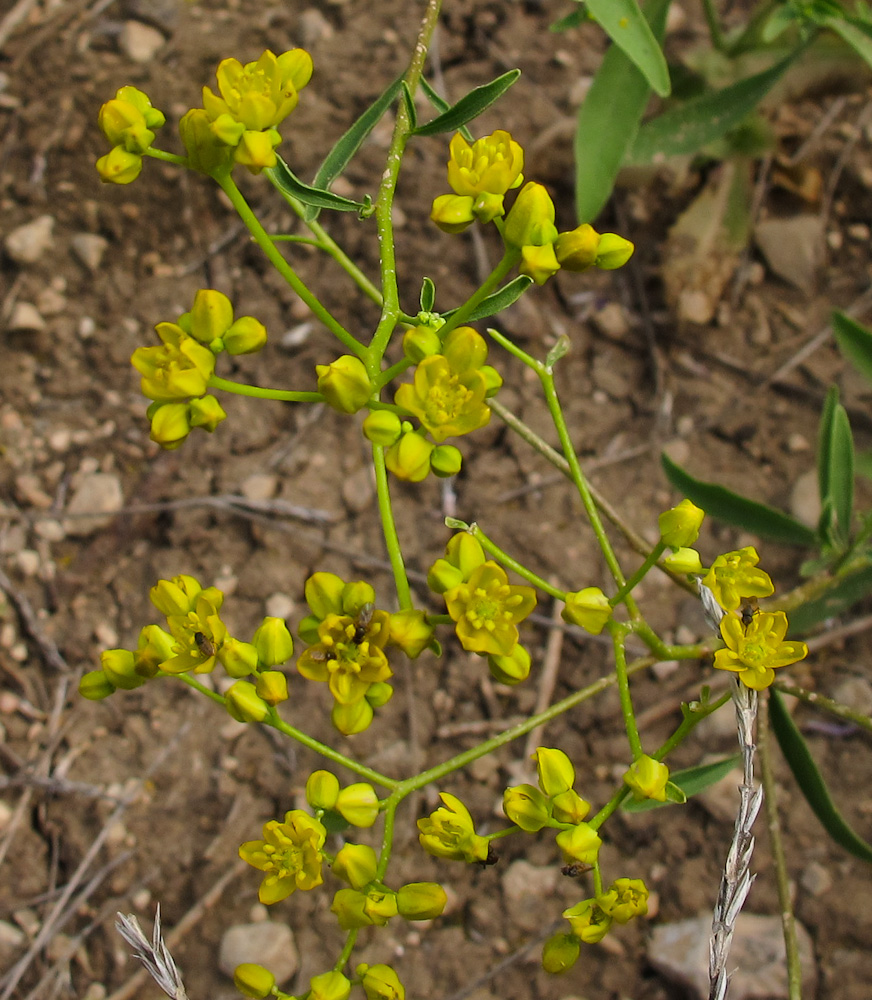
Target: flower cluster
(347, 637)
(484, 606)
(449, 832)
(289, 855)
(482, 174)
(194, 641)
(128, 122)
(175, 375)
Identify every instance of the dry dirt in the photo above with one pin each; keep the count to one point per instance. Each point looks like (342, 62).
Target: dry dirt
(637, 379)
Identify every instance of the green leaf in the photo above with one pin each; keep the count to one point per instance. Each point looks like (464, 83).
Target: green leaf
(441, 105)
(855, 343)
(863, 464)
(626, 25)
(810, 781)
(340, 155)
(687, 127)
(836, 468)
(857, 34)
(286, 180)
(501, 299)
(572, 20)
(470, 106)
(428, 295)
(691, 781)
(845, 594)
(409, 102)
(717, 501)
(609, 119)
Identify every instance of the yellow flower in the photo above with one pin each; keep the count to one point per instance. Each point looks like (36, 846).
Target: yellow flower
(490, 165)
(624, 899)
(588, 608)
(177, 370)
(259, 95)
(756, 651)
(581, 843)
(119, 167)
(449, 832)
(734, 575)
(647, 778)
(380, 982)
(589, 922)
(199, 634)
(289, 855)
(487, 609)
(349, 655)
(679, 526)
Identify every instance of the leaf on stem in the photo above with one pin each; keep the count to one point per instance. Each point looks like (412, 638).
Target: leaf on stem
(287, 181)
(501, 299)
(469, 106)
(835, 472)
(855, 343)
(837, 599)
(691, 781)
(628, 28)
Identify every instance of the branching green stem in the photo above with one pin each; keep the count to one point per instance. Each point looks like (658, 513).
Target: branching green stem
(619, 632)
(240, 389)
(827, 704)
(490, 546)
(389, 528)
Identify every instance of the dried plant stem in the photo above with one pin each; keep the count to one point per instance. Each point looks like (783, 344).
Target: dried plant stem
(773, 823)
(736, 881)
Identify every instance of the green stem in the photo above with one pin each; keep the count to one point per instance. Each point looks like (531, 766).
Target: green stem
(388, 833)
(773, 822)
(261, 237)
(619, 635)
(159, 154)
(240, 389)
(513, 564)
(197, 686)
(348, 948)
(389, 528)
(666, 652)
(827, 704)
(509, 259)
(629, 586)
(620, 794)
(392, 372)
(714, 24)
(690, 720)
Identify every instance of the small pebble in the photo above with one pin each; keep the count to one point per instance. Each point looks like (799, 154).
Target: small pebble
(89, 249)
(264, 943)
(98, 494)
(25, 318)
(27, 243)
(28, 562)
(139, 41)
(279, 605)
(260, 486)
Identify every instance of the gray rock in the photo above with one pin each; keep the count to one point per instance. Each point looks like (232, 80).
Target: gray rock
(267, 944)
(89, 249)
(679, 952)
(25, 318)
(27, 243)
(99, 494)
(805, 501)
(815, 879)
(856, 693)
(529, 891)
(793, 248)
(139, 41)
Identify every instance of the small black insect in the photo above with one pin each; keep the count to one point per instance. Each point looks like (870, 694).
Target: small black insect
(362, 623)
(575, 870)
(321, 655)
(204, 644)
(491, 859)
(748, 610)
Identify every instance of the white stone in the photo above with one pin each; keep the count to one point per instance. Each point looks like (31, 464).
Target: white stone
(268, 944)
(27, 243)
(280, 605)
(98, 493)
(805, 500)
(793, 248)
(28, 562)
(25, 318)
(89, 249)
(856, 693)
(260, 486)
(139, 41)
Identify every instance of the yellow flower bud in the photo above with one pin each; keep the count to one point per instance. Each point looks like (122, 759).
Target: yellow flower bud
(358, 804)
(322, 790)
(465, 349)
(679, 526)
(465, 552)
(647, 778)
(530, 221)
(488, 207)
(683, 561)
(581, 843)
(253, 980)
(555, 770)
(152, 116)
(349, 907)
(382, 427)
(324, 594)
(206, 152)
(356, 596)
(169, 424)
(124, 125)
(257, 150)
(560, 953)
(410, 631)
(206, 412)
(245, 336)
(380, 982)
(453, 213)
(238, 658)
(95, 685)
(272, 686)
(624, 899)
(380, 906)
(613, 251)
(588, 608)
(329, 986)
(119, 167)
(526, 807)
(421, 342)
(120, 669)
(273, 642)
(244, 703)
(511, 669)
(228, 130)
(588, 921)
(344, 384)
(577, 249)
(409, 458)
(210, 315)
(539, 263)
(445, 460)
(421, 900)
(379, 693)
(569, 807)
(351, 718)
(356, 864)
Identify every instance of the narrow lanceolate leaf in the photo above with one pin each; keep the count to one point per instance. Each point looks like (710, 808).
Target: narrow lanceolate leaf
(810, 780)
(855, 343)
(836, 467)
(609, 119)
(856, 33)
(626, 25)
(315, 197)
(691, 781)
(501, 299)
(689, 126)
(470, 106)
(721, 503)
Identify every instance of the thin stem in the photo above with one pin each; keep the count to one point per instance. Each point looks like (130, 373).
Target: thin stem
(490, 546)
(619, 635)
(388, 833)
(773, 822)
(714, 24)
(348, 948)
(159, 154)
(629, 586)
(392, 372)
(389, 528)
(827, 704)
(240, 389)
(690, 720)
(261, 237)
(197, 686)
(509, 259)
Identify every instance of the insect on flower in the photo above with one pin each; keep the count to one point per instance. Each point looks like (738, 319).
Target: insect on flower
(748, 610)
(362, 622)
(575, 870)
(204, 644)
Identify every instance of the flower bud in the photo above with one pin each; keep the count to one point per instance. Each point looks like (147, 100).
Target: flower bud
(244, 703)
(353, 718)
(465, 348)
(588, 608)
(409, 458)
(560, 953)
(177, 596)
(530, 221)
(613, 251)
(647, 778)
(624, 899)
(421, 900)
(272, 686)
(556, 773)
(227, 130)
(273, 642)
(493, 380)
(169, 424)
(206, 412)
(445, 460)
(120, 669)
(257, 150)
(526, 807)
(124, 125)
(539, 263)
(453, 213)
(380, 982)
(324, 594)
(465, 551)
(205, 150)
(358, 804)
(679, 526)
(356, 864)
(576, 250)
(329, 986)
(344, 384)
(238, 658)
(95, 685)
(322, 790)
(356, 596)
(488, 206)
(420, 342)
(245, 336)
(380, 906)
(349, 908)
(382, 427)
(210, 315)
(253, 980)
(511, 669)
(442, 576)
(581, 843)
(588, 921)
(154, 647)
(119, 167)
(379, 693)
(684, 561)
(410, 631)
(141, 101)
(569, 807)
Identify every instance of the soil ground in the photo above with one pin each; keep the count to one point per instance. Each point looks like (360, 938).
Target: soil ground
(640, 377)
